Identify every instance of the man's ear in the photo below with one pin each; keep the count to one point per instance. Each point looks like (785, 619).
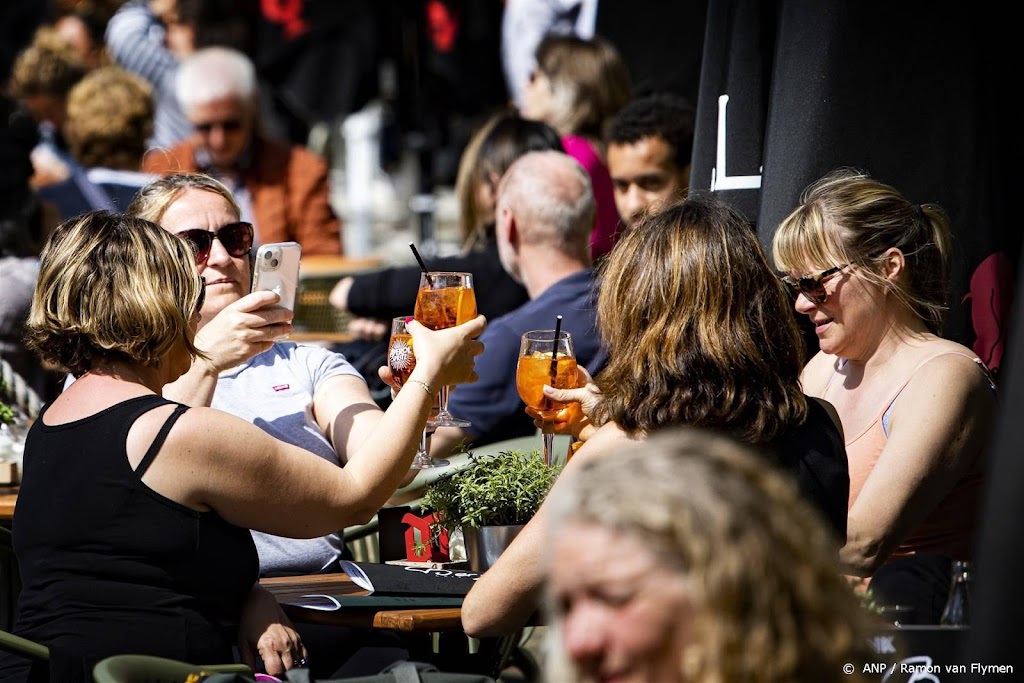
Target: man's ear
(506, 226)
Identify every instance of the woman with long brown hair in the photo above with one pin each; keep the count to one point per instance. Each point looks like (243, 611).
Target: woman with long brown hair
(698, 333)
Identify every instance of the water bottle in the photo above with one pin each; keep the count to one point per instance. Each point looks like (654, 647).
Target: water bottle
(958, 606)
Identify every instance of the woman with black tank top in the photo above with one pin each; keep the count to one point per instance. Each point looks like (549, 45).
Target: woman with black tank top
(132, 526)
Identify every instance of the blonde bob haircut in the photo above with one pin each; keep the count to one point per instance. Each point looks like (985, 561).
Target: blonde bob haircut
(698, 328)
(152, 201)
(112, 287)
(770, 602)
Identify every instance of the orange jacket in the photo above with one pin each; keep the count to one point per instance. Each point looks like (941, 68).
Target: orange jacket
(289, 190)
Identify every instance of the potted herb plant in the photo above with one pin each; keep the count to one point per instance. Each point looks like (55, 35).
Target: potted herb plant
(490, 500)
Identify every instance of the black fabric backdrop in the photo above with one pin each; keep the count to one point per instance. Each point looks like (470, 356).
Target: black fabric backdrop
(921, 96)
(907, 91)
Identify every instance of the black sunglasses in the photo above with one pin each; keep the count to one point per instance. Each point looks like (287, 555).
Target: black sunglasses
(813, 286)
(236, 238)
(228, 126)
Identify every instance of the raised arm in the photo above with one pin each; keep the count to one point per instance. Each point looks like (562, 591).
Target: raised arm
(217, 461)
(939, 428)
(240, 331)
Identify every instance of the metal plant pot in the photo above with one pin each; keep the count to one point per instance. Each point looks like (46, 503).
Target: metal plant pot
(485, 544)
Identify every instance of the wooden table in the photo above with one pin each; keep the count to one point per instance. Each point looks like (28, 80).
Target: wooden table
(8, 499)
(289, 589)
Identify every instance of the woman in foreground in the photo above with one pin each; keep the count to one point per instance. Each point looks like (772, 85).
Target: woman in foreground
(698, 332)
(871, 272)
(686, 559)
(133, 518)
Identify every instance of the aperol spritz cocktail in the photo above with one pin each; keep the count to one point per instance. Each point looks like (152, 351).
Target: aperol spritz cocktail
(445, 300)
(545, 359)
(401, 362)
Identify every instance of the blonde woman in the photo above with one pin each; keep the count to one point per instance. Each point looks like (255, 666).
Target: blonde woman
(871, 272)
(685, 559)
(132, 526)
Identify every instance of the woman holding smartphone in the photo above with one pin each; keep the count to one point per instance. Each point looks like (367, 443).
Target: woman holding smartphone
(132, 523)
(304, 395)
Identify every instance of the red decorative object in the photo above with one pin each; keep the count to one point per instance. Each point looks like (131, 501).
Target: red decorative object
(434, 550)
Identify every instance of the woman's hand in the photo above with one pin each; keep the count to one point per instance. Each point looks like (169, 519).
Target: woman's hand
(446, 357)
(574, 418)
(264, 629)
(244, 329)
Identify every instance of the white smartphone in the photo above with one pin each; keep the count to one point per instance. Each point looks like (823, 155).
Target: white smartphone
(277, 270)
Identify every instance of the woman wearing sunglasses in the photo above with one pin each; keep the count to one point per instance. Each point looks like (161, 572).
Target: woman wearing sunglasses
(301, 394)
(699, 333)
(132, 525)
(871, 271)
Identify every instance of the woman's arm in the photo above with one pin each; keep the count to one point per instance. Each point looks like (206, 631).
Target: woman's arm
(215, 460)
(242, 330)
(505, 596)
(939, 427)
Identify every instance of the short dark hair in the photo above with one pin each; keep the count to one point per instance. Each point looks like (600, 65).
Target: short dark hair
(666, 115)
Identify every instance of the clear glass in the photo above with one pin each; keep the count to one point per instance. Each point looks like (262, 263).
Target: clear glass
(445, 300)
(401, 362)
(545, 360)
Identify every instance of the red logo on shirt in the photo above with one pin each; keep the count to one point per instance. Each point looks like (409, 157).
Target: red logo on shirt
(282, 387)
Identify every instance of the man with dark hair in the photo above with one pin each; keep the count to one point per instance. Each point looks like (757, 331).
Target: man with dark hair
(649, 144)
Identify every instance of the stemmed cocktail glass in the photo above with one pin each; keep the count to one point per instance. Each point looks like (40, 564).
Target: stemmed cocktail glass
(402, 361)
(545, 357)
(445, 300)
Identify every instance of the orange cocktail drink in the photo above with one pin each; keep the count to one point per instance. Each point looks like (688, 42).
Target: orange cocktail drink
(445, 300)
(536, 370)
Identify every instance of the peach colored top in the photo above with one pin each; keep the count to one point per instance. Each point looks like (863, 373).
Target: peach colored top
(950, 528)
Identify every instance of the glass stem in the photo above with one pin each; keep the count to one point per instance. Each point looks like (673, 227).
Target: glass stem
(444, 401)
(549, 442)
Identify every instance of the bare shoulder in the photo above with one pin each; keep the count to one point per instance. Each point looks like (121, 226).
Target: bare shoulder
(943, 360)
(205, 431)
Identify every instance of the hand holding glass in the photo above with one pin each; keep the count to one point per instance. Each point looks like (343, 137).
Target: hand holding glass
(401, 362)
(445, 300)
(543, 359)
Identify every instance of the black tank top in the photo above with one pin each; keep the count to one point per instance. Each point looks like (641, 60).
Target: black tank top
(110, 566)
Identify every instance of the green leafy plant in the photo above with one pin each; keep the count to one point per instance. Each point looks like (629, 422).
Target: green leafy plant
(6, 414)
(492, 490)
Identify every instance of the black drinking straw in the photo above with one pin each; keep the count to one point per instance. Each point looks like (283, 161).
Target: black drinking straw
(423, 265)
(554, 351)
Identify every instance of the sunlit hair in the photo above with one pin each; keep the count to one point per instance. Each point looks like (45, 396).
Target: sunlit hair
(769, 600)
(698, 328)
(112, 287)
(551, 197)
(214, 73)
(151, 201)
(848, 217)
(589, 82)
(502, 139)
(109, 119)
(48, 66)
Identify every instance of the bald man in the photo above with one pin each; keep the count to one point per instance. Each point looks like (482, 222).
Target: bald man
(544, 218)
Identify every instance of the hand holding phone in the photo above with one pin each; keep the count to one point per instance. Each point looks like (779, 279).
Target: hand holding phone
(277, 270)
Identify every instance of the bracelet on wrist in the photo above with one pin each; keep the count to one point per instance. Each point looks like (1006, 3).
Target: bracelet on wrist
(426, 387)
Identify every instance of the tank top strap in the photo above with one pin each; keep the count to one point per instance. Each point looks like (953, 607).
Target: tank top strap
(161, 436)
